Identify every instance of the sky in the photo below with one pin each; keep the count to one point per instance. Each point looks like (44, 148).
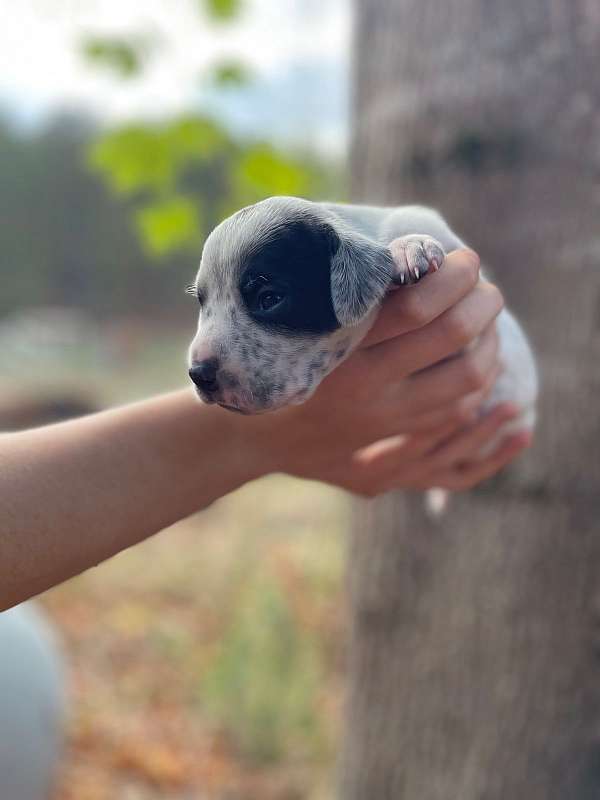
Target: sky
(297, 49)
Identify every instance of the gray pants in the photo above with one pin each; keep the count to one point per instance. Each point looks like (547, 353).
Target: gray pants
(31, 705)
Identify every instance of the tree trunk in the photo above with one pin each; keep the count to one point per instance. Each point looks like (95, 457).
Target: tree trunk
(475, 646)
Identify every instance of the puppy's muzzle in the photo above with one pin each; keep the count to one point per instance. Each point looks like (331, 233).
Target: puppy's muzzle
(204, 376)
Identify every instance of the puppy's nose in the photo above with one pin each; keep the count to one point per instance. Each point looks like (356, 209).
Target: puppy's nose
(204, 374)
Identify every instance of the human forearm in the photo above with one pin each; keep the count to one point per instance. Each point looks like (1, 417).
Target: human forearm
(74, 494)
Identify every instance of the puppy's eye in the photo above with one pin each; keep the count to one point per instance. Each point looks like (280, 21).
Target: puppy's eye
(268, 299)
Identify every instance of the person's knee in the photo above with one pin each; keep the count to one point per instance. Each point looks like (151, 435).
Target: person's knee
(31, 704)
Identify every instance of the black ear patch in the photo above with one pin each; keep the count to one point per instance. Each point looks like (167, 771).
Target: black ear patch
(286, 282)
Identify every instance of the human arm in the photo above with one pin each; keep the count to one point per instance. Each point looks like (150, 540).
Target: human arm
(73, 494)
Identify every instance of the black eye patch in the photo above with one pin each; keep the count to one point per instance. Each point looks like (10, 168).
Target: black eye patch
(286, 282)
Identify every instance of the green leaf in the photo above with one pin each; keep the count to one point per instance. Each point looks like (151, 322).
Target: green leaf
(168, 225)
(119, 55)
(222, 10)
(195, 138)
(194, 155)
(151, 163)
(230, 73)
(262, 171)
(132, 158)
(141, 157)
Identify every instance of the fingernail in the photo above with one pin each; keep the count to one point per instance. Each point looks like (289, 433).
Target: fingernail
(472, 255)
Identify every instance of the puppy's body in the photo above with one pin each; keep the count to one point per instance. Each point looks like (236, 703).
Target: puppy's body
(288, 289)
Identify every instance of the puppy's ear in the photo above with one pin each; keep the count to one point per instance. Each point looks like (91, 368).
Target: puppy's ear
(361, 273)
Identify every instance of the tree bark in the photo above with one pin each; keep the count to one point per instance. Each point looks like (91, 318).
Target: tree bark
(475, 643)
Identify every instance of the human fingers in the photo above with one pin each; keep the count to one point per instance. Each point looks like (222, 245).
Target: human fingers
(462, 412)
(422, 475)
(436, 451)
(474, 370)
(412, 307)
(469, 475)
(397, 416)
(395, 462)
(468, 443)
(400, 411)
(446, 335)
(384, 454)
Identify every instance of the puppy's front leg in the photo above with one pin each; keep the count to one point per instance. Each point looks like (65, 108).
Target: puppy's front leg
(414, 256)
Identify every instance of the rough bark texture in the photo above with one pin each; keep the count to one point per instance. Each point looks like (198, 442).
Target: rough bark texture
(475, 648)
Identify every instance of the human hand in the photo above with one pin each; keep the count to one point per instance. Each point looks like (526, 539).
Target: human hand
(402, 411)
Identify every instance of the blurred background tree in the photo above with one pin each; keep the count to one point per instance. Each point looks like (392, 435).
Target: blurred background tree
(474, 656)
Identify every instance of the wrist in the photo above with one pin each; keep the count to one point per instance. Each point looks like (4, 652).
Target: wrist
(280, 441)
(248, 447)
(245, 448)
(261, 443)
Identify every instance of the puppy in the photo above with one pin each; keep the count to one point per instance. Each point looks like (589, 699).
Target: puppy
(288, 288)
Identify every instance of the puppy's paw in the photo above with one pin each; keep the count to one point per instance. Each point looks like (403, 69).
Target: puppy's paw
(415, 256)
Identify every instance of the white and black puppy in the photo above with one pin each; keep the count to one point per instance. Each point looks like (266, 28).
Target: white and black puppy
(288, 288)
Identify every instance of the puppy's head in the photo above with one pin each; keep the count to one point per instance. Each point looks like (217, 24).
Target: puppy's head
(286, 291)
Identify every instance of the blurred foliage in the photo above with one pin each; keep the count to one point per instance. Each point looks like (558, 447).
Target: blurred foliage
(169, 224)
(222, 9)
(263, 683)
(187, 174)
(142, 157)
(184, 175)
(262, 171)
(231, 73)
(122, 57)
(71, 239)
